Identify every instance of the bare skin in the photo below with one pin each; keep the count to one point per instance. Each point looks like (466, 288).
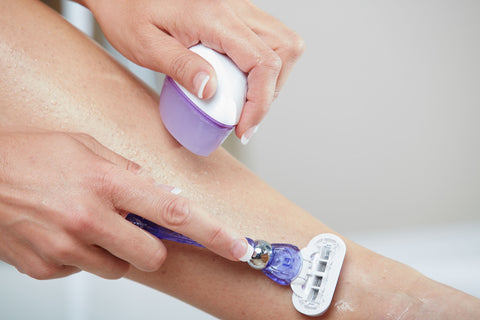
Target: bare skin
(53, 78)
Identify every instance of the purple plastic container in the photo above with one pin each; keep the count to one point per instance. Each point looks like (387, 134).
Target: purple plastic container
(192, 127)
(201, 125)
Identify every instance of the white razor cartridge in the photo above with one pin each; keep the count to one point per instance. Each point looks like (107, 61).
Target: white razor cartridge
(314, 286)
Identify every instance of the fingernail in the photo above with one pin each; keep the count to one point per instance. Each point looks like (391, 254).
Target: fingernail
(139, 170)
(248, 135)
(242, 250)
(171, 189)
(200, 82)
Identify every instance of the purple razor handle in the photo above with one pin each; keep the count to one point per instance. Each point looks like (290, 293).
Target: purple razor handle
(312, 272)
(159, 231)
(281, 262)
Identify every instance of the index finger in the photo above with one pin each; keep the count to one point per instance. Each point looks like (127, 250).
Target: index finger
(133, 194)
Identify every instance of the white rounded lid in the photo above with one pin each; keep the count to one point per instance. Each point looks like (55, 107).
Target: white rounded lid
(226, 105)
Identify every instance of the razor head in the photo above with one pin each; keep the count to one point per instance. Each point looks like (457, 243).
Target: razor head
(314, 286)
(285, 263)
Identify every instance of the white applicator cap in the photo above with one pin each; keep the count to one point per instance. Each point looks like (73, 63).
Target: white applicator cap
(201, 125)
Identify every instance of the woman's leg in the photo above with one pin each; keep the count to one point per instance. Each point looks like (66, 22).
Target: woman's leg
(55, 78)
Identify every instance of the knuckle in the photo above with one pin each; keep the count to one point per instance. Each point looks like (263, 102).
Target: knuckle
(264, 106)
(176, 212)
(85, 223)
(146, 45)
(80, 221)
(155, 261)
(43, 271)
(104, 180)
(295, 46)
(178, 66)
(62, 252)
(272, 61)
(217, 235)
(141, 57)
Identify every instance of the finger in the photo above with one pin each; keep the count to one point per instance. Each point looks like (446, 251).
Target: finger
(165, 54)
(34, 258)
(178, 214)
(62, 254)
(107, 154)
(254, 57)
(288, 45)
(62, 250)
(100, 262)
(126, 242)
(34, 265)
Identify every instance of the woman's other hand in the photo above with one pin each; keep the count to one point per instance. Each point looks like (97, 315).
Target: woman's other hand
(156, 34)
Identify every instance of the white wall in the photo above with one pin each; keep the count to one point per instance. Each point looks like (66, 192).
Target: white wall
(378, 126)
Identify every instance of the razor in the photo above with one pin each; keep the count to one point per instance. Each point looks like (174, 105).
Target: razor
(312, 272)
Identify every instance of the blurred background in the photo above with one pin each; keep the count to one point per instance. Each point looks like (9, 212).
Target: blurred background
(376, 133)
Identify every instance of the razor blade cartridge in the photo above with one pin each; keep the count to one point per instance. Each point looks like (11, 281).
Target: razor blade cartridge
(314, 286)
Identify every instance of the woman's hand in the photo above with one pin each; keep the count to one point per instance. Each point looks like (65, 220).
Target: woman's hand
(63, 199)
(157, 33)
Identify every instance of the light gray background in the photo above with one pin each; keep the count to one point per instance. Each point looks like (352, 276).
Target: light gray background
(376, 133)
(379, 124)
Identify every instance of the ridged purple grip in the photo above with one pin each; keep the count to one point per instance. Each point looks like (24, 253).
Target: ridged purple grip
(284, 265)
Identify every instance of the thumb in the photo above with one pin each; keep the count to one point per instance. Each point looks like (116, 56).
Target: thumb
(165, 54)
(100, 150)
